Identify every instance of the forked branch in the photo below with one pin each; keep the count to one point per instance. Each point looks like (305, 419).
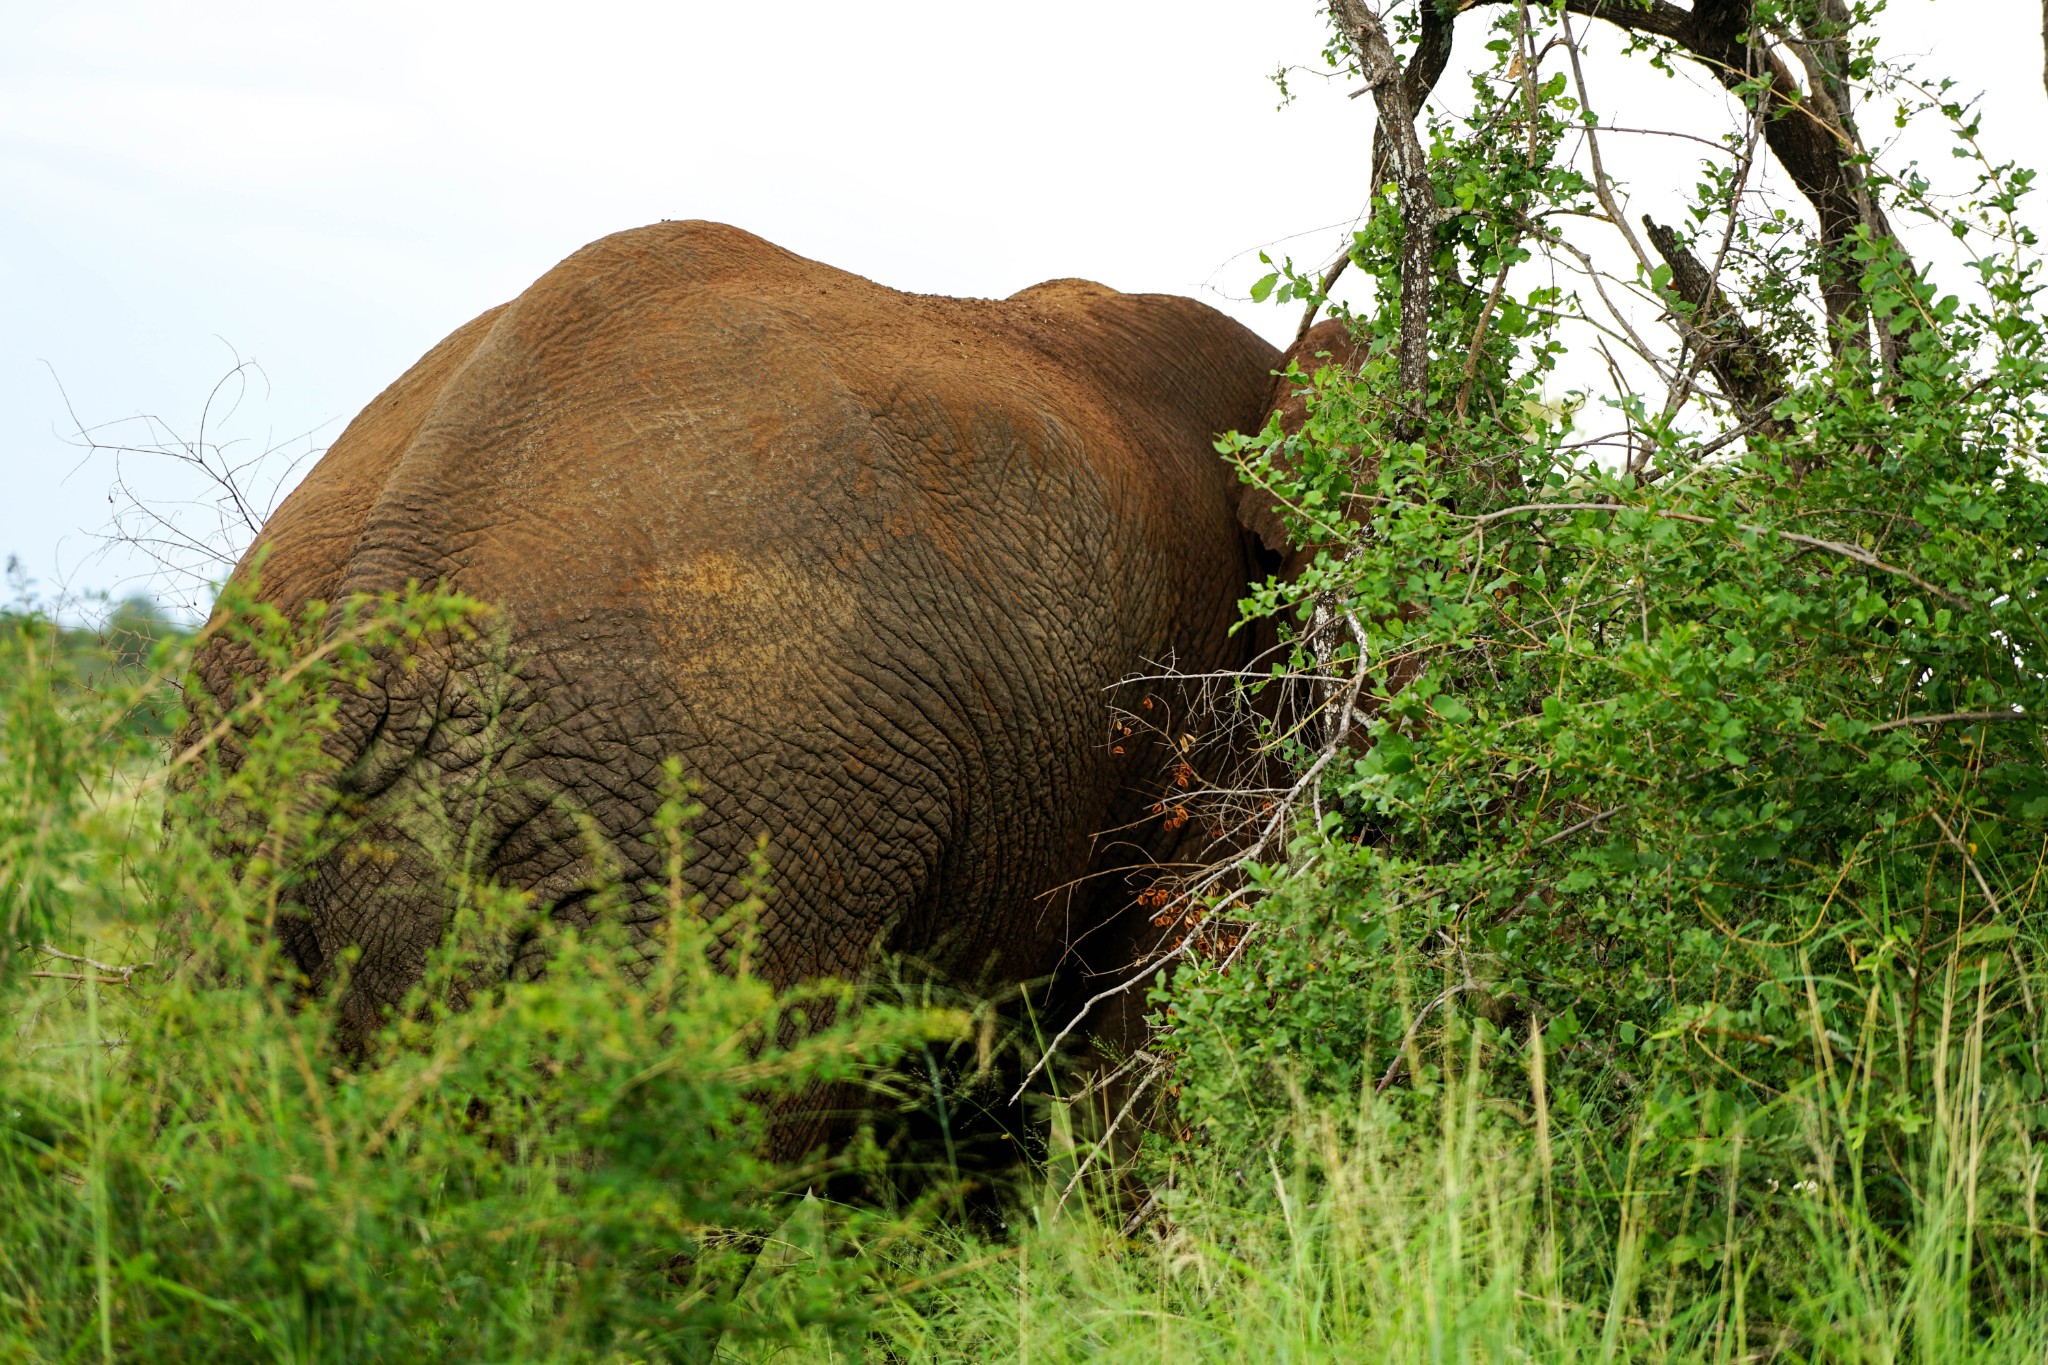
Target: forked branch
(1811, 137)
(1425, 67)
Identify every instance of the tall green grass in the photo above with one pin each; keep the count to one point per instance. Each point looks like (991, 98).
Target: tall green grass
(1486, 1235)
(194, 1167)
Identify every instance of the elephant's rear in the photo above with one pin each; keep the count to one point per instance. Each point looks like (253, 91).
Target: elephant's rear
(863, 562)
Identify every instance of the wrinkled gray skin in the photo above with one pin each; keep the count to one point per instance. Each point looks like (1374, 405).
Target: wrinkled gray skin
(867, 562)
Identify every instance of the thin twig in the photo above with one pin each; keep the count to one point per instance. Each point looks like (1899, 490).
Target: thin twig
(1102, 1144)
(1145, 972)
(1969, 860)
(1847, 551)
(1401, 1055)
(47, 951)
(1603, 188)
(1948, 718)
(1139, 1219)
(1315, 303)
(1569, 830)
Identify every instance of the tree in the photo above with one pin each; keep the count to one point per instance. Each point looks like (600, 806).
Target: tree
(1677, 758)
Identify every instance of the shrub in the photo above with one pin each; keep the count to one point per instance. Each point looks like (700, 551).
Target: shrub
(192, 1168)
(1710, 774)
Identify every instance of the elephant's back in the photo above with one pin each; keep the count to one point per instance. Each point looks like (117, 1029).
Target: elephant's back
(685, 409)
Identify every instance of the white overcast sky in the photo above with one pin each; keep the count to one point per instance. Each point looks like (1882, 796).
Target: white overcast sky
(328, 190)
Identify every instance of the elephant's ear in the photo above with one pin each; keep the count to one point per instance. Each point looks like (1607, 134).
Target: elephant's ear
(1259, 513)
(1327, 344)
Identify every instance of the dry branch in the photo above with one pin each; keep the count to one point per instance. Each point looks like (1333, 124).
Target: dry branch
(116, 973)
(1811, 136)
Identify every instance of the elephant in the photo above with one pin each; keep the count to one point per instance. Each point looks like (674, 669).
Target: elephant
(867, 563)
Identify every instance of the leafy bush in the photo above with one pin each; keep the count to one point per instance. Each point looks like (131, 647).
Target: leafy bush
(193, 1168)
(1708, 774)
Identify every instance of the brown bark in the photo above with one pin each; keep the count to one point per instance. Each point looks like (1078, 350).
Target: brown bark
(1750, 375)
(1419, 216)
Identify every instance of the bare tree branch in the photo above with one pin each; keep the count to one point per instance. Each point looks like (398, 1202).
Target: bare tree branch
(1810, 137)
(227, 486)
